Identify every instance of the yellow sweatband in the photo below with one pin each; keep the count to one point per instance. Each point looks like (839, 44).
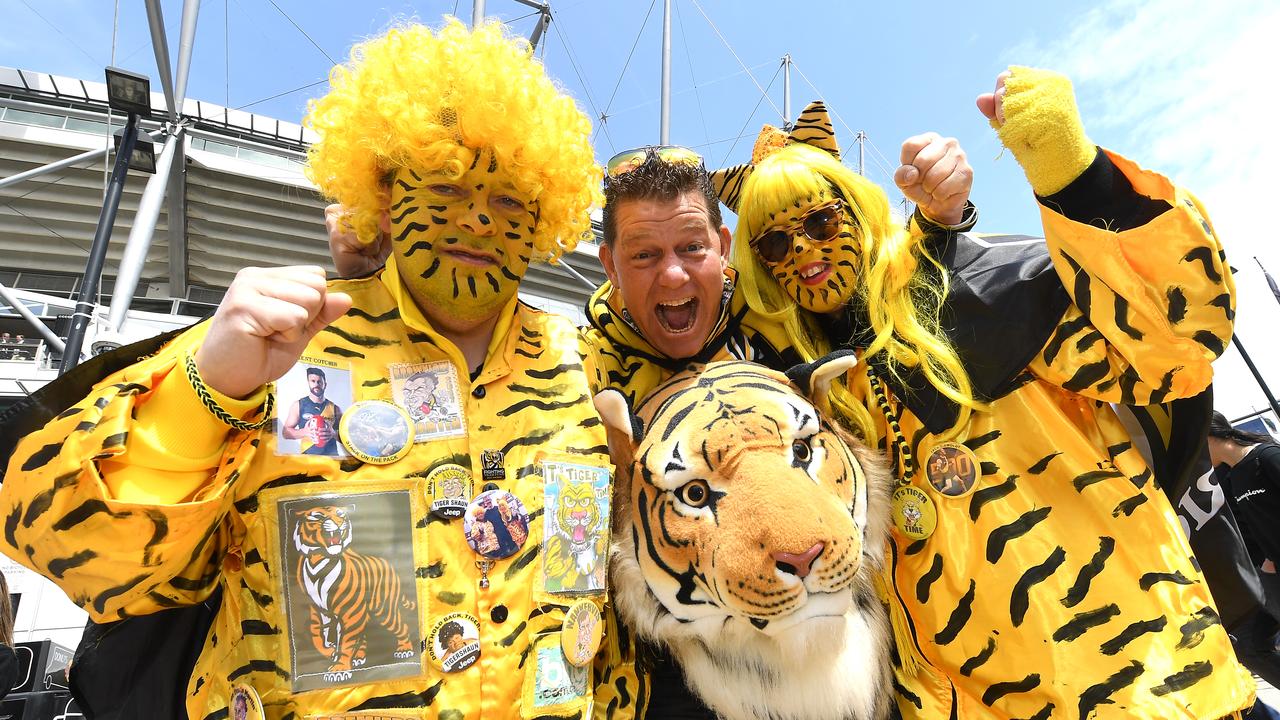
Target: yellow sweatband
(1042, 129)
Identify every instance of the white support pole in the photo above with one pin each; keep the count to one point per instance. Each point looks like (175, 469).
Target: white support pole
(144, 227)
(664, 130)
(27, 315)
(786, 92)
(190, 12)
(160, 44)
(85, 157)
(477, 13)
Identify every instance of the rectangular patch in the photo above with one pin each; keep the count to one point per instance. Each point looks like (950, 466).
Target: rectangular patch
(551, 683)
(311, 398)
(349, 591)
(576, 498)
(429, 393)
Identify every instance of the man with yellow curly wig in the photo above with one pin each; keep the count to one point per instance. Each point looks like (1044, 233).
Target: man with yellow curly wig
(1054, 579)
(338, 586)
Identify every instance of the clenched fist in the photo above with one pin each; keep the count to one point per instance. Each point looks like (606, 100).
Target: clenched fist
(263, 324)
(936, 176)
(351, 257)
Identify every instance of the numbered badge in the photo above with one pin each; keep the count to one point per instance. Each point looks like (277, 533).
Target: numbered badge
(952, 469)
(496, 524)
(449, 489)
(245, 704)
(582, 633)
(455, 642)
(376, 431)
(913, 512)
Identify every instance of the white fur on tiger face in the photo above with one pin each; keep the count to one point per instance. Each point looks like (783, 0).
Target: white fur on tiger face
(749, 531)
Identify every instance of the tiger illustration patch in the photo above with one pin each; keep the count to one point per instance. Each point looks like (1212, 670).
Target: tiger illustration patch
(348, 593)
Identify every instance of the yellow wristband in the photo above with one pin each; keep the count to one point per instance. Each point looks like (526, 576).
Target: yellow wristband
(207, 399)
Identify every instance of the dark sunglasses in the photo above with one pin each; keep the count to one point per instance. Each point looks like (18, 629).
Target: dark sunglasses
(628, 160)
(821, 224)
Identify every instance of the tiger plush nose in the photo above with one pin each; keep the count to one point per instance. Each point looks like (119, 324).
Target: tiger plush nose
(798, 565)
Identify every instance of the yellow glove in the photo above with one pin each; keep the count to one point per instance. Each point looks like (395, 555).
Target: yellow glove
(1042, 129)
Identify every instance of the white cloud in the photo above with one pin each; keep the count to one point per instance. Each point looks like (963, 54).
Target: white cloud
(1189, 88)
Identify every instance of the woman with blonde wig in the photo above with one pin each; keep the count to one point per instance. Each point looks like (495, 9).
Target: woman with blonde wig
(1059, 581)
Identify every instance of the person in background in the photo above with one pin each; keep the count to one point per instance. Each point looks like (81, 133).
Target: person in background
(1253, 488)
(8, 659)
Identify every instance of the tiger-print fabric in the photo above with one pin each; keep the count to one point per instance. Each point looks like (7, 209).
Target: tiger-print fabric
(750, 535)
(116, 556)
(1061, 585)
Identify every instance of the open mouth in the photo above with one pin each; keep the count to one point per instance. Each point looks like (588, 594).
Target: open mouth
(677, 316)
(814, 273)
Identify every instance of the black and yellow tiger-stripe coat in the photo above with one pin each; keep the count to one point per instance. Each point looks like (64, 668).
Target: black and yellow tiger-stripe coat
(118, 550)
(1061, 585)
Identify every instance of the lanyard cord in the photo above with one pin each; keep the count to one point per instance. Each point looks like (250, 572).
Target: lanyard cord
(904, 448)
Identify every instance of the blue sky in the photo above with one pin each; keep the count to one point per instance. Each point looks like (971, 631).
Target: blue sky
(1180, 86)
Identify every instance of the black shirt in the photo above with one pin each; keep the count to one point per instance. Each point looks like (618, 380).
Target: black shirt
(1254, 486)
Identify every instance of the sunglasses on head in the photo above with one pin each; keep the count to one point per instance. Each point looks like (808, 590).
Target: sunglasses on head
(628, 160)
(821, 224)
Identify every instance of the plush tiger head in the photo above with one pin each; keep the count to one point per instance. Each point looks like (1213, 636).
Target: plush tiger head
(577, 511)
(324, 529)
(740, 507)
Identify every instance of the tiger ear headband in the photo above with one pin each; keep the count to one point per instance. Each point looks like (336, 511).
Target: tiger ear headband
(813, 128)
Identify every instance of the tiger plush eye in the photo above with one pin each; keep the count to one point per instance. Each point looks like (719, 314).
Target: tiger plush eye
(695, 493)
(801, 451)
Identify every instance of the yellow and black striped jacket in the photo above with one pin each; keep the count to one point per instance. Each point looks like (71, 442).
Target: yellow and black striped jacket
(1060, 583)
(126, 540)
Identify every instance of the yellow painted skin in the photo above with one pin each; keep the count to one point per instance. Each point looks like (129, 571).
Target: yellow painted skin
(124, 542)
(1062, 585)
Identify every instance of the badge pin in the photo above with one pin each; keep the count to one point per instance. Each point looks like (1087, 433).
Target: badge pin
(952, 469)
(496, 524)
(245, 704)
(376, 431)
(493, 466)
(449, 489)
(913, 512)
(455, 642)
(582, 633)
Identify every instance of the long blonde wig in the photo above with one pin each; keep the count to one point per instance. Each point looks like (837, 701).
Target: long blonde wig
(895, 298)
(423, 99)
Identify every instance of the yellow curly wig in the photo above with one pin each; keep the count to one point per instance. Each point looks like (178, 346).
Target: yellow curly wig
(901, 302)
(424, 99)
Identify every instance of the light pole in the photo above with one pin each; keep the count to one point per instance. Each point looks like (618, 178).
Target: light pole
(131, 93)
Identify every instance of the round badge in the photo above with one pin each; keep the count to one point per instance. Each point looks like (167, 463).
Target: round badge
(455, 642)
(913, 512)
(449, 490)
(496, 524)
(245, 704)
(376, 431)
(580, 638)
(952, 469)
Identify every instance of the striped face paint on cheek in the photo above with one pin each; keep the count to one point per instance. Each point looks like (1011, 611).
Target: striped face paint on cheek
(462, 244)
(820, 276)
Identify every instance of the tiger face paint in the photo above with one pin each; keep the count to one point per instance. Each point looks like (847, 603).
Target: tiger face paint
(461, 244)
(819, 276)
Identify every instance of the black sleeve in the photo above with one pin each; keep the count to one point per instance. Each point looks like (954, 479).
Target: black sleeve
(1103, 197)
